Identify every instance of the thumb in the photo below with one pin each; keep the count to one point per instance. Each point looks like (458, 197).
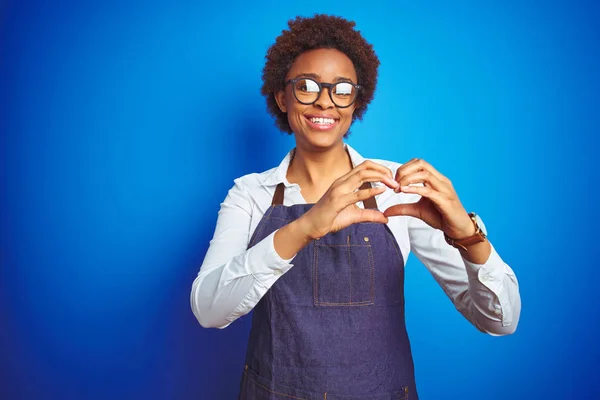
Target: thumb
(372, 216)
(409, 209)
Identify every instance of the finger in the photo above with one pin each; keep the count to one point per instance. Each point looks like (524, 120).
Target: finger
(409, 162)
(343, 200)
(370, 165)
(356, 180)
(415, 165)
(414, 210)
(405, 166)
(361, 195)
(426, 178)
(371, 216)
(425, 191)
(408, 209)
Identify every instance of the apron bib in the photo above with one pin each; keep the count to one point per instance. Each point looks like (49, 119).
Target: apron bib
(333, 327)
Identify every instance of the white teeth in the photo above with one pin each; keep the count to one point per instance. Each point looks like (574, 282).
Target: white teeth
(327, 121)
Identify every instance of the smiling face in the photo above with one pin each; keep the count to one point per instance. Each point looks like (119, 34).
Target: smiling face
(321, 125)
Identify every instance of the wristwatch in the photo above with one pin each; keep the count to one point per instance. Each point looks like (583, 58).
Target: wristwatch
(479, 236)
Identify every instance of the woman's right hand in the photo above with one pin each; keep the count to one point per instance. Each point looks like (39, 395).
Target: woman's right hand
(337, 208)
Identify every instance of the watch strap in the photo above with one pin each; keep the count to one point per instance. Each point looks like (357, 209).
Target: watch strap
(463, 243)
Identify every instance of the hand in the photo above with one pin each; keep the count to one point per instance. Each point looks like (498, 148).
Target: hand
(337, 208)
(439, 205)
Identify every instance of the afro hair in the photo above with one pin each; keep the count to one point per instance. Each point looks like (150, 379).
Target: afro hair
(317, 32)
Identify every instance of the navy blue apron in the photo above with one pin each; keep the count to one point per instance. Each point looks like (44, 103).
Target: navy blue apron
(333, 326)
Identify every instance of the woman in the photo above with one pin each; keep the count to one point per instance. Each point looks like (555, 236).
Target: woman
(317, 246)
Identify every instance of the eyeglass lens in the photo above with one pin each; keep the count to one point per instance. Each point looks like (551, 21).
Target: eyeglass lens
(307, 91)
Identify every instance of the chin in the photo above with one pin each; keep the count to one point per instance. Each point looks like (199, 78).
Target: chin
(319, 141)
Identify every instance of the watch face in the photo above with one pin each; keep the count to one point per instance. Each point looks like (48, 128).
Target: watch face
(481, 225)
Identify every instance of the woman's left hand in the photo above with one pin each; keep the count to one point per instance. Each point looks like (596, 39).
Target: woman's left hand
(439, 205)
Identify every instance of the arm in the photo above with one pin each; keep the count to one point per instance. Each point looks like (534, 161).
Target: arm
(228, 287)
(482, 287)
(233, 279)
(487, 294)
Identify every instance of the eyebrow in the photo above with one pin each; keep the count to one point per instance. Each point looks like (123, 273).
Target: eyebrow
(318, 77)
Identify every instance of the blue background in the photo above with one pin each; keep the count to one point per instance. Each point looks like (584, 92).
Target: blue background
(123, 125)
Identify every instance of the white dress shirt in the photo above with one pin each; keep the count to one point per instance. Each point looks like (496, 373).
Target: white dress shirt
(232, 278)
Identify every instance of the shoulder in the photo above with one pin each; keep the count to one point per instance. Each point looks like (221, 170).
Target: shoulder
(254, 181)
(254, 189)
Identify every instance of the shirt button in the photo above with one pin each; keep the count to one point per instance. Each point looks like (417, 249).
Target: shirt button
(277, 272)
(366, 238)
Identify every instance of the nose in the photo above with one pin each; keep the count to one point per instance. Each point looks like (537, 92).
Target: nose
(324, 100)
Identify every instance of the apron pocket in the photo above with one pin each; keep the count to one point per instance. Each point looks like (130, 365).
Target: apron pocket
(343, 274)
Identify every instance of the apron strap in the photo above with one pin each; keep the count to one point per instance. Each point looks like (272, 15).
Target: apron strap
(278, 196)
(370, 202)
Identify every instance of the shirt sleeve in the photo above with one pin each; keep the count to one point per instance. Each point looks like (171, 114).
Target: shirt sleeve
(486, 294)
(232, 278)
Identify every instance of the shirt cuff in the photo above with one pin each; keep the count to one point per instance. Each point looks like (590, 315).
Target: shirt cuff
(491, 274)
(265, 264)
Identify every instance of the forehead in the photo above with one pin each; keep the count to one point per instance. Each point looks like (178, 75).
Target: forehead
(328, 64)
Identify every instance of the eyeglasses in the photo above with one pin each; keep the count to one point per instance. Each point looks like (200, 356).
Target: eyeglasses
(307, 91)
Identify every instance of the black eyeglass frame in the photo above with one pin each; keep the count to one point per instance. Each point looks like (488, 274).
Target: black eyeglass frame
(322, 85)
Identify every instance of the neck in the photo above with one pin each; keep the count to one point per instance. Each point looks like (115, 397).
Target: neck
(318, 169)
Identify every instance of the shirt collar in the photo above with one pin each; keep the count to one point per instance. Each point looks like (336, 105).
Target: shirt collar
(278, 175)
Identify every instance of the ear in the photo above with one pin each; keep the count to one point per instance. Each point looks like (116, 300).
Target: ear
(280, 99)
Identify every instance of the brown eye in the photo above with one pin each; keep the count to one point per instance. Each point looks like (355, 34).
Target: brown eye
(344, 89)
(307, 86)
